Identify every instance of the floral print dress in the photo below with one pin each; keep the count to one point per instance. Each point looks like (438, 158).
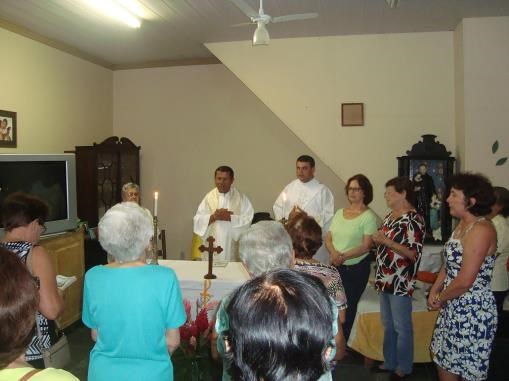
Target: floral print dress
(466, 325)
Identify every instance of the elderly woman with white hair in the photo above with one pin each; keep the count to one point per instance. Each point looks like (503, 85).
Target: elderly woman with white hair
(133, 309)
(264, 247)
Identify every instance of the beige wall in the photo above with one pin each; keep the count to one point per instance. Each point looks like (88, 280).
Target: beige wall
(190, 120)
(61, 101)
(459, 96)
(406, 82)
(486, 94)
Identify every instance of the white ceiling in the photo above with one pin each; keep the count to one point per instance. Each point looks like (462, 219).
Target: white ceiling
(176, 29)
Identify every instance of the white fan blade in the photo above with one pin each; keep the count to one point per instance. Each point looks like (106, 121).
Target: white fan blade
(245, 8)
(300, 16)
(242, 24)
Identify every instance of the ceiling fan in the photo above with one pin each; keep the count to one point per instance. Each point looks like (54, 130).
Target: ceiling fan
(261, 19)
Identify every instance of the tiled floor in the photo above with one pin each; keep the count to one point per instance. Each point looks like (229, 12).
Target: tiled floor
(351, 368)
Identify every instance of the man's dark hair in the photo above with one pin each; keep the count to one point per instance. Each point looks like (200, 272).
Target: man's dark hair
(403, 184)
(477, 186)
(307, 159)
(280, 328)
(306, 235)
(19, 299)
(224, 168)
(364, 184)
(502, 196)
(19, 209)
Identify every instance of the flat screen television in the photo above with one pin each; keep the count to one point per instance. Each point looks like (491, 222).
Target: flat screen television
(51, 177)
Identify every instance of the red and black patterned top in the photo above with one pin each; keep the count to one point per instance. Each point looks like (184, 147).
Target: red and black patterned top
(395, 273)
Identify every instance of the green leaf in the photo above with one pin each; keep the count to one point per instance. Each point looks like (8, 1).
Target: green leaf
(501, 161)
(494, 147)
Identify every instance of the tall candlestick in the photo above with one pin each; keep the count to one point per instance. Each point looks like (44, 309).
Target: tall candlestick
(156, 196)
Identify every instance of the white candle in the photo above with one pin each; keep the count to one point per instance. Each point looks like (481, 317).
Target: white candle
(156, 196)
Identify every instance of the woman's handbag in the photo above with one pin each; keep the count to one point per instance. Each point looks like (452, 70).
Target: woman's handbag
(57, 355)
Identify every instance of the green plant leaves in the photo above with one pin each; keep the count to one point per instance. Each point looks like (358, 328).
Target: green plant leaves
(501, 161)
(494, 147)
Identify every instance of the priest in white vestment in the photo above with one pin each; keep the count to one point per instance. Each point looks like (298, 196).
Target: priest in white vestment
(307, 194)
(223, 214)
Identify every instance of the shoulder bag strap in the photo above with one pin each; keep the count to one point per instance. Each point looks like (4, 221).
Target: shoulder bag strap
(29, 374)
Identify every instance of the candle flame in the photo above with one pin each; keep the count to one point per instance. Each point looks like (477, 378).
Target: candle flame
(156, 195)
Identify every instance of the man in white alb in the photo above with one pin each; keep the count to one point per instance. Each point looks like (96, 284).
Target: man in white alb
(223, 214)
(307, 194)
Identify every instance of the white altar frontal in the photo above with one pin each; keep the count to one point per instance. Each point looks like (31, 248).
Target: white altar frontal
(190, 275)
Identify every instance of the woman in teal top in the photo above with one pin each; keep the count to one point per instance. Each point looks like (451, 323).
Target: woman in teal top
(349, 241)
(134, 310)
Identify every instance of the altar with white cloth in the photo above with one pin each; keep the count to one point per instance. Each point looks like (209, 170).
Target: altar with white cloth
(190, 275)
(432, 258)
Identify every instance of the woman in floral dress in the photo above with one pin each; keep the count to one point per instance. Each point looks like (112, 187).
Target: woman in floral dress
(467, 321)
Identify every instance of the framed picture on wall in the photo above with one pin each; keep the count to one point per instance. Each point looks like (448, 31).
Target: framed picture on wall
(8, 129)
(429, 165)
(352, 114)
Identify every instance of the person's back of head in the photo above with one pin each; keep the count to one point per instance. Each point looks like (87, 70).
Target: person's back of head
(125, 231)
(265, 246)
(306, 235)
(280, 328)
(19, 299)
(19, 209)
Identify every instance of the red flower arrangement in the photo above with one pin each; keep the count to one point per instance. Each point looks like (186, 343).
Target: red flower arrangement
(195, 334)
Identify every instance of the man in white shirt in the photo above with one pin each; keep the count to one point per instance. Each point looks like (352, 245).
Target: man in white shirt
(307, 194)
(223, 214)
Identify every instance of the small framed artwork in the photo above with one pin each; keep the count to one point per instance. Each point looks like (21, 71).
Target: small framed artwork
(8, 129)
(352, 114)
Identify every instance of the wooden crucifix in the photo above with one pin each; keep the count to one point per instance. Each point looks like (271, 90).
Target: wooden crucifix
(210, 249)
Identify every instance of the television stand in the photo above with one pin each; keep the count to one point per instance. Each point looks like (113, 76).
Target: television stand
(66, 252)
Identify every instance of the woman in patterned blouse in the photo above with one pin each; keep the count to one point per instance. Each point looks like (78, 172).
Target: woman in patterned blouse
(23, 217)
(306, 237)
(399, 249)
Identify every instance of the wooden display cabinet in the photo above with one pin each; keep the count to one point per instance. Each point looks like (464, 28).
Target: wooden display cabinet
(66, 252)
(101, 170)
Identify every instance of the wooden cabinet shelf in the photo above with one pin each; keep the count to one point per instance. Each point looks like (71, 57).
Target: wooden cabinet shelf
(101, 170)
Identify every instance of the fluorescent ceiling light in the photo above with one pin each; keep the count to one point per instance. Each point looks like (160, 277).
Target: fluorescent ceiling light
(392, 3)
(115, 10)
(134, 7)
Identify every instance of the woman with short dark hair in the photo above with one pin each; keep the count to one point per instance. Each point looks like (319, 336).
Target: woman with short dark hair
(349, 241)
(19, 301)
(280, 328)
(466, 325)
(306, 237)
(399, 249)
(23, 217)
